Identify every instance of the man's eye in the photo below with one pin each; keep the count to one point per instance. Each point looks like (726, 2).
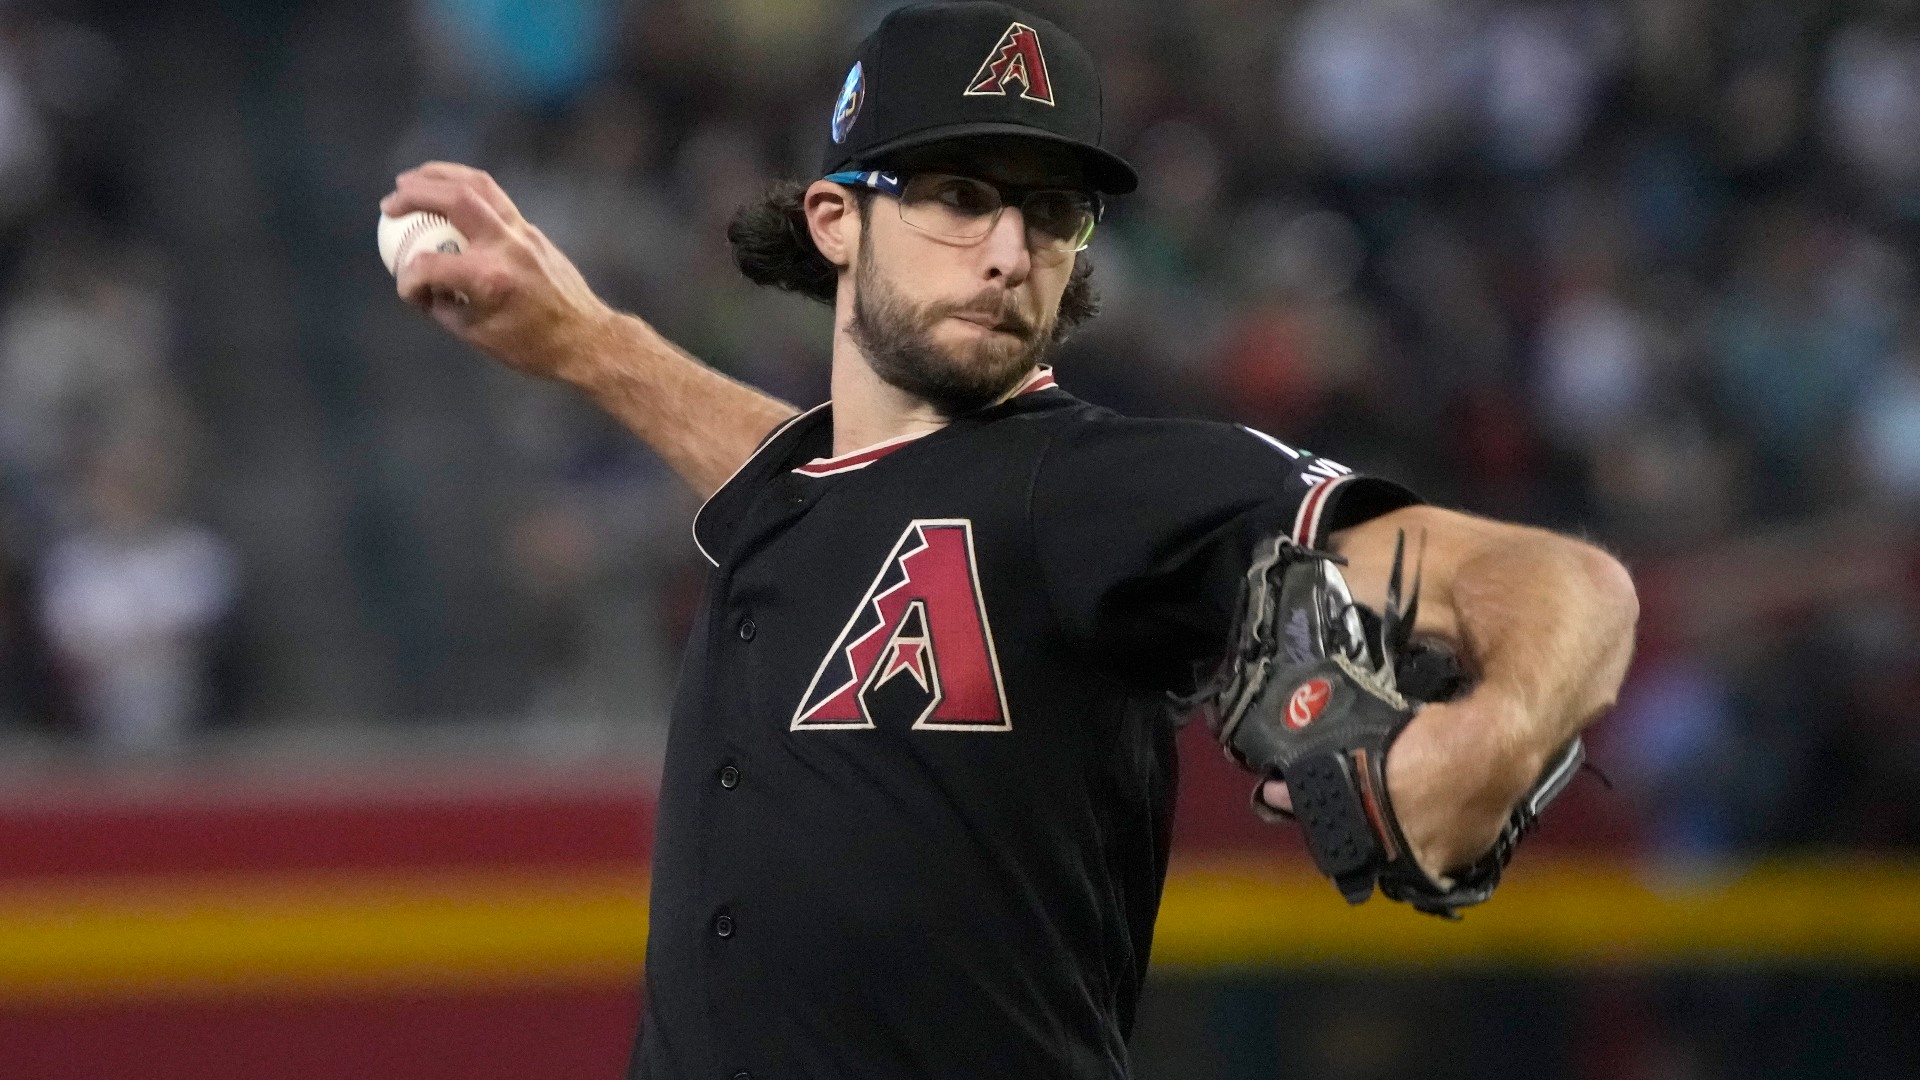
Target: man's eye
(965, 197)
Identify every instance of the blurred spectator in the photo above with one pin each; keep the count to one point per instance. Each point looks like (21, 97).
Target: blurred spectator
(26, 678)
(1593, 358)
(1809, 317)
(1889, 410)
(1761, 109)
(26, 152)
(1381, 87)
(1683, 758)
(1872, 95)
(82, 351)
(131, 601)
(552, 554)
(1301, 339)
(596, 197)
(1180, 199)
(1547, 66)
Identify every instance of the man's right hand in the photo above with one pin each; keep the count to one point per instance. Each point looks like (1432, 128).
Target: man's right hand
(511, 294)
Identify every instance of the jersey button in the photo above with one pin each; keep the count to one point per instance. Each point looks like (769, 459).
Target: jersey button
(748, 629)
(743, 1075)
(729, 778)
(723, 926)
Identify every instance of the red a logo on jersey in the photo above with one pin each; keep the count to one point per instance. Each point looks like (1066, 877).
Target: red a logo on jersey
(918, 643)
(1016, 58)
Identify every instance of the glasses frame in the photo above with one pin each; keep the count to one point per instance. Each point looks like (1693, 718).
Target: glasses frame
(895, 185)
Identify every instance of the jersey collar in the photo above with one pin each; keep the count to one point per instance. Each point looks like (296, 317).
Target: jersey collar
(1041, 379)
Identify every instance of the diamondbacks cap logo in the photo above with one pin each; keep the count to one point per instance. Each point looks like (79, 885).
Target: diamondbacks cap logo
(917, 645)
(846, 108)
(1015, 58)
(1308, 699)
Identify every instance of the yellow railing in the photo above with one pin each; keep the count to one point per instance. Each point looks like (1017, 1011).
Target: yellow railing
(147, 937)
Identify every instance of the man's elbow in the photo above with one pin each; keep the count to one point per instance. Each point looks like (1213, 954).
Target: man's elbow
(1612, 603)
(1612, 586)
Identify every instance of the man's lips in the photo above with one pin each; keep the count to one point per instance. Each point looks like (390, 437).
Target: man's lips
(991, 321)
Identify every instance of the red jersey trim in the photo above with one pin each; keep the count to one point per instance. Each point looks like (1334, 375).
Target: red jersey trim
(1041, 379)
(1307, 522)
(858, 459)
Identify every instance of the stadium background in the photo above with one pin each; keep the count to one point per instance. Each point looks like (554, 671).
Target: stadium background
(333, 660)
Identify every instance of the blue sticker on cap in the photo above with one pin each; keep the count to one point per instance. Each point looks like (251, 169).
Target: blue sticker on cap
(852, 93)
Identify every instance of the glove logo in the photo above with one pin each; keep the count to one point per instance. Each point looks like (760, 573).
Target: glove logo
(1016, 57)
(918, 645)
(1307, 702)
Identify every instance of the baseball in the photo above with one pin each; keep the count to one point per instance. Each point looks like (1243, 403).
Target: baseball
(403, 237)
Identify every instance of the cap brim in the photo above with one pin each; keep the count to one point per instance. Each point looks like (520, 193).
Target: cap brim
(1106, 172)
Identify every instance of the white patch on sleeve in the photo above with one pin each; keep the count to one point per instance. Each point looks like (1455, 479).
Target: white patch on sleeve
(1326, 469)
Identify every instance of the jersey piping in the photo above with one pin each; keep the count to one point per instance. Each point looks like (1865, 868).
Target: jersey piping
(771, 438)
(1041, 379)
(858, 459)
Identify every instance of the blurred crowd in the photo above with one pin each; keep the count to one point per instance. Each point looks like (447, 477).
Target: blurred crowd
(1641, 270)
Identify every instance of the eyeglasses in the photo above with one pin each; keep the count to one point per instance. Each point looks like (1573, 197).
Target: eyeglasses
(1059, 221)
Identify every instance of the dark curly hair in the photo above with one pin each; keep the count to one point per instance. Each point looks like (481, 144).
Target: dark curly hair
(772, 246)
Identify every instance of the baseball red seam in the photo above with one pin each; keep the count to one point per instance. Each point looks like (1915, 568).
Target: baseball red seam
(425, 222)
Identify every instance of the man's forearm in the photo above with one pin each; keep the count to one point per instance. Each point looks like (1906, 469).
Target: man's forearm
(1548, 623)
(701, 422)
(1545, 624)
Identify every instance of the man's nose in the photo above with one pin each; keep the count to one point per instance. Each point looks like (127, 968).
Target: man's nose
(1005, 248)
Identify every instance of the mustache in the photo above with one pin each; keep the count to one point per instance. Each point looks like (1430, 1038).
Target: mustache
(997, 304)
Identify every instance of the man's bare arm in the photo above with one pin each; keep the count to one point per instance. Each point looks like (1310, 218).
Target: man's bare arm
(514, 296)
(1544, 622)
(703, 423)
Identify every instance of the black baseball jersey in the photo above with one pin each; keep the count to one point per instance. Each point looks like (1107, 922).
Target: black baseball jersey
(918, 788)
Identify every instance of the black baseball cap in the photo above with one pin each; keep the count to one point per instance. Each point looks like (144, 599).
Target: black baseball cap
(974, 70)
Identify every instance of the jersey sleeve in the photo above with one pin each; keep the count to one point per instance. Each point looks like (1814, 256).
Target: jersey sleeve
(1145, 528)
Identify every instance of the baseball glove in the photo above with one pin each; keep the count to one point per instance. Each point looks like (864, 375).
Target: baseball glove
(1314, 691)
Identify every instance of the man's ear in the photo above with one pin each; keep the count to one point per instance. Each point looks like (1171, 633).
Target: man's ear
(833, 218)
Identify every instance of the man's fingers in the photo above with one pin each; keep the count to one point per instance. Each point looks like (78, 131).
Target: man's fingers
(459, 202)
(441, 276)
(482, 183)
(442, 188)
(1275, 794)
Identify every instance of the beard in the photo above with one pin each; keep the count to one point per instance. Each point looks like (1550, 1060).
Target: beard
(897, 339)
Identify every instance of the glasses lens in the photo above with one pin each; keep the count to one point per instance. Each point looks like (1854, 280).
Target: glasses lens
(1059, 220)
(952, 206)
(963, 208)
